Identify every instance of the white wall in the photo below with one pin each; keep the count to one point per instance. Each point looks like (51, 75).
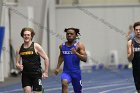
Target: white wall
(100, 28)
(99, 2)
(19, 19)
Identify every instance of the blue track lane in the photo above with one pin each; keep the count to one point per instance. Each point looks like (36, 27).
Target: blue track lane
(97, 81)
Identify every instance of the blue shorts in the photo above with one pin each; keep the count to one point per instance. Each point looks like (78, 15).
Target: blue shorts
(75, 79)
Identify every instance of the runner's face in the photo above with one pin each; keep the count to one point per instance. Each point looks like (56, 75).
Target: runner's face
(70, 35)
(27, 36)
(137, 31)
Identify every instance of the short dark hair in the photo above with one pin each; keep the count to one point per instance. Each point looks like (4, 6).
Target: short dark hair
(27, 29)
(77, 31)
(136, 24)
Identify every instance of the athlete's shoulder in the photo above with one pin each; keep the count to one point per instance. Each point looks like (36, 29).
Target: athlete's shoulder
(62, 44)
(80, 44)
(37, 46)
(130, 41)
(133, 41)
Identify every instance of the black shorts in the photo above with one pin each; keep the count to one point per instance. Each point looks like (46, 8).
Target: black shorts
(33, 80)
(136, 75)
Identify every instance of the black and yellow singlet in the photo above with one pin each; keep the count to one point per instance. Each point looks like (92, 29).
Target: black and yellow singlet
(30, 59)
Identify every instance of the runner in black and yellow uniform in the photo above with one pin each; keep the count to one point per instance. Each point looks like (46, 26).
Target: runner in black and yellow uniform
(30, 53)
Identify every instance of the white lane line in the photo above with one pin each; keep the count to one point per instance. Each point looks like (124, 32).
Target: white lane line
(109, 82)
(58, 88)
(15, 90)
(109, 90)
(103, 86)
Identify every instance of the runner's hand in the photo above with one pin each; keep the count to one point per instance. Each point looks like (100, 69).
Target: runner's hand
(56, 71)
(73, 50)
(45, 75)
(19, 67)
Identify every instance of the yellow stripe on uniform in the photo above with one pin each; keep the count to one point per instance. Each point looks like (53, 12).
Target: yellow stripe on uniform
(26, 53)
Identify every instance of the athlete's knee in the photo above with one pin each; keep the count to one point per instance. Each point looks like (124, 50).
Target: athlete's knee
(64, 83)
(27, 89)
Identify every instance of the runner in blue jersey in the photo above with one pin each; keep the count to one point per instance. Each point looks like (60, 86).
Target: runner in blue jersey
(71, 52)
(134, 55)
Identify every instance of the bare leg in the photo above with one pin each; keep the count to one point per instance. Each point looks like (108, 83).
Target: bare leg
(64, 86)
(27, 89)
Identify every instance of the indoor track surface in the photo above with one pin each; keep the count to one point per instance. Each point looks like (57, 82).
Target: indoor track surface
(97, 81)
